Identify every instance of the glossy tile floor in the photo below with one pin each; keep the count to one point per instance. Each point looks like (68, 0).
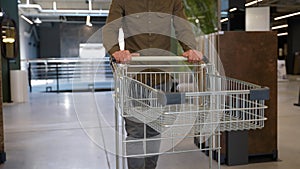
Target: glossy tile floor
(61, 131)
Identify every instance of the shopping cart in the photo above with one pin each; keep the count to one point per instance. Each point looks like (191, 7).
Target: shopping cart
(182, 101)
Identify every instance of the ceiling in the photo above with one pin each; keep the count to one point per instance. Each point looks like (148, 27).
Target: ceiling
(66, 8)
(71, 4)
(71, 11)
(281, 6)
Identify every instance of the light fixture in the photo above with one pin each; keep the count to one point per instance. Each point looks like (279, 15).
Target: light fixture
(232, 9)
(88, 18)
(26, 19)
(90, 5)
(54, 5)
(37, 21)
(9, 36)
(224, 20)
(224, 12)
(280, 26)
(88, 21)
(8, 40)
(1, 14)
(253, 2)
(287, 16)
(197, 20)
(282, 34)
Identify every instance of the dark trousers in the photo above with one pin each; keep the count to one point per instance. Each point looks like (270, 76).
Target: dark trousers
(135, 131)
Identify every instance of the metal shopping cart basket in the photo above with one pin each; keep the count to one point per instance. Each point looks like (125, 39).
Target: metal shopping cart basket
(181, 102)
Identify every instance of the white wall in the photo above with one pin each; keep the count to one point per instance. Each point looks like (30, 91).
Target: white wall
(28, 43)
(258, 19)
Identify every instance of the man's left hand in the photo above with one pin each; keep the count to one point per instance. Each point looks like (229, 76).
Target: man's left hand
(193, 55)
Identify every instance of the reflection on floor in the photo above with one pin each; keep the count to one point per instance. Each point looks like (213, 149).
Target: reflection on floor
(59, 131)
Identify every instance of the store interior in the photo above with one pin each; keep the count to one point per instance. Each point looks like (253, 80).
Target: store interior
(56, 78)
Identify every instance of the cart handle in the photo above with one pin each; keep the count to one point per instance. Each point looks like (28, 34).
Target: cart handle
(158, 58)
(163, 58)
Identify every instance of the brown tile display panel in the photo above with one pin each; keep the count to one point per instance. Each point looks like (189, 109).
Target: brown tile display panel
(252, 57)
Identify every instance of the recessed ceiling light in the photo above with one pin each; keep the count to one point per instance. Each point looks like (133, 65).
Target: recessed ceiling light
(282, 34)
(224, 20)
(280, 26)
(232, 9)
(26, 19)
(287, 16)
(253, 2)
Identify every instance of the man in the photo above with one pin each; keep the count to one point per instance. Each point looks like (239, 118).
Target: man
(137, 17)
(147, 27)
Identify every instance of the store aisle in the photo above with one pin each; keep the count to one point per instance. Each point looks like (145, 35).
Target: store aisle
(61, 131)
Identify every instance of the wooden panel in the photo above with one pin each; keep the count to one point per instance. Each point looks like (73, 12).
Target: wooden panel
(252, 57)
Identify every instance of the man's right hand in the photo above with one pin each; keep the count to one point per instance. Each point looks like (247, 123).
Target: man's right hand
(122, 56)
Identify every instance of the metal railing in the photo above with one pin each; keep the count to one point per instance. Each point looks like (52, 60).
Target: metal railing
(69, 73)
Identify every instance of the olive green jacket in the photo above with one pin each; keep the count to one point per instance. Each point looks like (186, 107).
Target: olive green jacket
(147, 26)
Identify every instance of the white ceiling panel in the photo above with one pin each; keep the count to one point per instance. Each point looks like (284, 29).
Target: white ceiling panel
(71, 4)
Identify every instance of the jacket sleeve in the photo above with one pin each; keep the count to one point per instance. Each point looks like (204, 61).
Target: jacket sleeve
(183, 28)
(110, 31)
